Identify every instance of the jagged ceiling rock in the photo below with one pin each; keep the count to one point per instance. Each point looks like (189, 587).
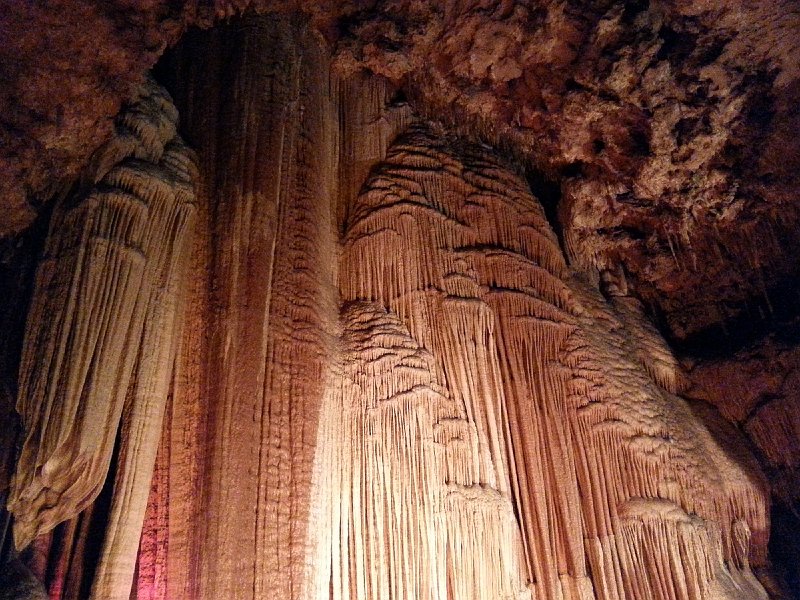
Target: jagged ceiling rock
(669, 125)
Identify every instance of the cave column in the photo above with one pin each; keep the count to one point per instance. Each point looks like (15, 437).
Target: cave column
(268, 127)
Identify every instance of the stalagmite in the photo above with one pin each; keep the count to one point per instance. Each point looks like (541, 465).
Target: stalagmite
(101, 333)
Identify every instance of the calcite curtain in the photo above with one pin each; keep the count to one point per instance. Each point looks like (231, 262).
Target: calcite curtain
(378, 376)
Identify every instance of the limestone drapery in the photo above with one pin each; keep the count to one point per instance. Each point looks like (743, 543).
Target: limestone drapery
(102, 334)
(401, 389)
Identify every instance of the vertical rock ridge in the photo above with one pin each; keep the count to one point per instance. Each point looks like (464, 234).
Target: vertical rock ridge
(114, 258)
(261, 333)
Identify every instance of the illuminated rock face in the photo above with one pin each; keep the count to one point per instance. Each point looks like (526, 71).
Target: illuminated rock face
(467, 336)
(102, 334)
(389, 383)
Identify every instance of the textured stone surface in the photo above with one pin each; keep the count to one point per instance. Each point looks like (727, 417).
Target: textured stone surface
(391, 369)
(543, 388)
(258, 97)
(668, 125)
(108, 285)
(758, 388)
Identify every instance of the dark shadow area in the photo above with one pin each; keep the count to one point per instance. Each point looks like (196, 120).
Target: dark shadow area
(548, 192)
(777, 313)
(19, 256)
(784, 546)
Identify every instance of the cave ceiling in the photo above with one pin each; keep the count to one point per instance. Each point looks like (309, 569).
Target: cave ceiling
(667, 129)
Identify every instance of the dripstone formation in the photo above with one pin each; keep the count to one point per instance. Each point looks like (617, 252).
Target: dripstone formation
(339, 350)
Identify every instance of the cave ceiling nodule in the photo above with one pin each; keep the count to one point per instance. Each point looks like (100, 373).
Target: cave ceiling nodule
(362, 300)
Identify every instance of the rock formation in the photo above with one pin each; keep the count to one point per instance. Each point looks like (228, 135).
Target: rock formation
(757, 389)
(344, 351)
(668, 126)
(546, 389)
(102, 332)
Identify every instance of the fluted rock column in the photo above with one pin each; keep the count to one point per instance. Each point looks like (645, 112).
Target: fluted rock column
(101, 335)
(263, 104)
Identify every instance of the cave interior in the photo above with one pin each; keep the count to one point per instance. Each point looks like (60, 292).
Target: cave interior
(394, 299)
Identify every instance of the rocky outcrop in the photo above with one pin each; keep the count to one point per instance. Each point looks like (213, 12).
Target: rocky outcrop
(560, 397)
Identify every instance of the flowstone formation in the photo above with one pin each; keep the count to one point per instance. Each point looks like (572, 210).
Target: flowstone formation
(102, 333)
(340, 353)
(532, 387)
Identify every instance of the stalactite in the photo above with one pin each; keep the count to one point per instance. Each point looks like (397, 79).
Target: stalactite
(142, 418)
(268, 313)
(101, 335)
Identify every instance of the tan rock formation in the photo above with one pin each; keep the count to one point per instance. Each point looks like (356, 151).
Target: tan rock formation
(102, 329)
(554, 379)
(757, 389)
(391, 384)
(250, 341)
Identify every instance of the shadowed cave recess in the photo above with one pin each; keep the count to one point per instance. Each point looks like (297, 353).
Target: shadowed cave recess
(394, 300)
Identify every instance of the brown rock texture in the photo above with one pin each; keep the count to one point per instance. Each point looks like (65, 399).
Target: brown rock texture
(668, 125)
(758, 388)
(546, 392)
(107, 285)
(376, 371)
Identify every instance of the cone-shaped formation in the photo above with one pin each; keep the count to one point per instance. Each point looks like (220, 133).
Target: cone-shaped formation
(279, 140)
(611, 473)
(114, 259)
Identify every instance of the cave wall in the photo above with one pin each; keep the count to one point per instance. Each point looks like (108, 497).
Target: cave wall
(478, 396)
(757, 388)
(381, 369)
